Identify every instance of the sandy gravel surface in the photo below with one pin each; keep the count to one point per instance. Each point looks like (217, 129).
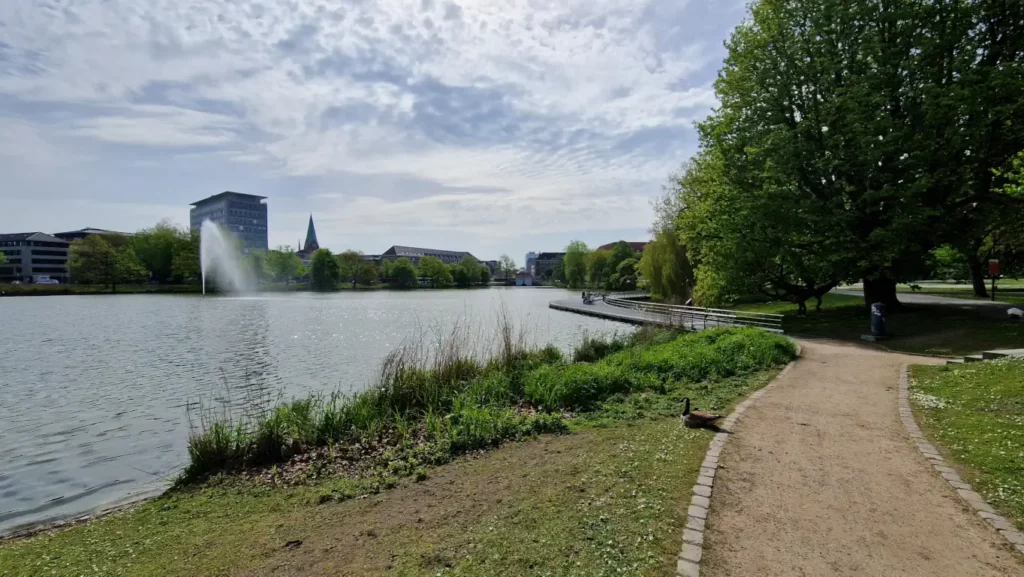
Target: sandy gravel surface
(821, 478)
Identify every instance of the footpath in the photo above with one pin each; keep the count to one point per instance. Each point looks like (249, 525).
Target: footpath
(821, 478)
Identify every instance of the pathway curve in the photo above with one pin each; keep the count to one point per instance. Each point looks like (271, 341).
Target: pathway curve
(927, 299)
(820, 478)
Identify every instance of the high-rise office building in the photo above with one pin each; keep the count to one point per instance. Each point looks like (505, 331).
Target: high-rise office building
(245, 215)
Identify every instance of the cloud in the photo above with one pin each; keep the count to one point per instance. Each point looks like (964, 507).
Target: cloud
(500, 114)
(160, 126)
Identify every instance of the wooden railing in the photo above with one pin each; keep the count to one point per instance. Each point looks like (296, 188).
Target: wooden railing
(695, 318)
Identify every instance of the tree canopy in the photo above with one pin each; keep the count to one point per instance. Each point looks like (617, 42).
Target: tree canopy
(574, 263)
(507, 266)
(95, 261)
(324, 272)
(439, 273)
(355, 269)
(853, 137)
(401, 273)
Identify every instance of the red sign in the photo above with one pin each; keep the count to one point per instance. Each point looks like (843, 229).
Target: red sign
(993, 267)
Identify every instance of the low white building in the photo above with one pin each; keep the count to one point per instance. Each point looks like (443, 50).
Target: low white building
(524, 279)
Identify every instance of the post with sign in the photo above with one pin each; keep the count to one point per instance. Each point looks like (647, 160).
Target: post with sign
(993, 271)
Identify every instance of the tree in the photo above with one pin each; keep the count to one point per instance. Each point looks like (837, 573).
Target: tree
(883, 124)
(437, 271)
(95, 261)
(665, 265)
(597, 267)
(624, 277)
(466, 272)
(402, 273)
(507, 266)
(284, 265)
(258, 263)
(129, 268)
(574, 263)
(156, 247)
(325, 274)
(485, 274)
(185, 263)
(355, 268)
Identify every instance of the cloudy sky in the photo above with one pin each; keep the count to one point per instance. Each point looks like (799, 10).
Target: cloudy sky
(484, 125)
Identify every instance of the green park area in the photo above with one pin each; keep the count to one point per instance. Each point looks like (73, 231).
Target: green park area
(975, 412)
(322, 485)
(933, 329)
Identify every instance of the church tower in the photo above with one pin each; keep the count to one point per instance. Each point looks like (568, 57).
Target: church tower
(306, 251)
(311, 243)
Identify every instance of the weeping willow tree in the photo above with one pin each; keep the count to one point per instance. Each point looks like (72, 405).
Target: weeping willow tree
(665, 265)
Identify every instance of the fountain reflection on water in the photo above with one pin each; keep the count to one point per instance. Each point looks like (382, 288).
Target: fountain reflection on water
(220, 258)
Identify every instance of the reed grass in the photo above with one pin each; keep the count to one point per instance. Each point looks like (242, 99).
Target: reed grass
(443, 397)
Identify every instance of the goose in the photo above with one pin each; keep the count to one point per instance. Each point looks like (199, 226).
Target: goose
(696, 418)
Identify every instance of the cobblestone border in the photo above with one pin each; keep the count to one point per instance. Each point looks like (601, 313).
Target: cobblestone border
(964, 490)
(688, 562)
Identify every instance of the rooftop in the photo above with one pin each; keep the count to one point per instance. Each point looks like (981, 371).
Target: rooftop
(226, 193)
(421, 252)
(41, 236)
(91, 230)
(550, 255)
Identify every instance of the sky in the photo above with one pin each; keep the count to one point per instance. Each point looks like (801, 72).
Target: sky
(493, 126)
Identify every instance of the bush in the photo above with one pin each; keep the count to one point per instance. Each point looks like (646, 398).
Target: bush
(591, 349)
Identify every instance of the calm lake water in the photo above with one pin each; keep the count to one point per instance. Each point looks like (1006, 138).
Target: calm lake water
(94, 389)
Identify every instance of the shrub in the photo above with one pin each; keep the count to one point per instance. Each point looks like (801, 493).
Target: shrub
(594, 348)
(458, 403)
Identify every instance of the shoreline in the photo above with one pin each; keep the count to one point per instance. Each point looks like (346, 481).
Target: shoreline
(332, 458)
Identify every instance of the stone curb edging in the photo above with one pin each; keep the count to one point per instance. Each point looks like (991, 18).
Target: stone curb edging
(688, 561)
(963, 489)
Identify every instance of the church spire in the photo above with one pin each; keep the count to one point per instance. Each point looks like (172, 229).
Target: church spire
(311, 242)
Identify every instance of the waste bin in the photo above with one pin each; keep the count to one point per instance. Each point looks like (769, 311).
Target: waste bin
(878, 320)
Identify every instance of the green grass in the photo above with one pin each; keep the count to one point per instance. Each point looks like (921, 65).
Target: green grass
(457, 403)
(74, 289)
(975, 413)
(609, 499)
(927, 329)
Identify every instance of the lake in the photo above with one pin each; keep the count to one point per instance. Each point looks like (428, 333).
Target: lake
(94, 389)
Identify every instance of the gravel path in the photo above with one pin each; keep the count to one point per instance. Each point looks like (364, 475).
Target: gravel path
(821, 478)
(927, 299)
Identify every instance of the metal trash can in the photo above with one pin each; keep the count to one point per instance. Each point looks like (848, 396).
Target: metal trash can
(878, 320)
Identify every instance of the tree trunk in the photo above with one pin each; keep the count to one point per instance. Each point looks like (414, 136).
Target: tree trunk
(880, 290)
(976, 268)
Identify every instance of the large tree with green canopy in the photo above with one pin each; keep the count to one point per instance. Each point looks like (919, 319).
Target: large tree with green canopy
(574, 263)
(324, 271)
(853, 137)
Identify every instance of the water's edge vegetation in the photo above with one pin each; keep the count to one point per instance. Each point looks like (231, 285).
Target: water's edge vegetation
(425, 409)
(612, 495)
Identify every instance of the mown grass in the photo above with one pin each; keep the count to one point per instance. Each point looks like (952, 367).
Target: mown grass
(975, 413)
(609, 499)
(928, 329)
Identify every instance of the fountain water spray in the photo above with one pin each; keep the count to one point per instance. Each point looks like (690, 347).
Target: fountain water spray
(220, 256)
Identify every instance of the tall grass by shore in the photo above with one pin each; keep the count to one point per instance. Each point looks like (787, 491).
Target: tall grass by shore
(431, 403)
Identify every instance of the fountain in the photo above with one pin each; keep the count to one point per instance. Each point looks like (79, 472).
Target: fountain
(220, 257)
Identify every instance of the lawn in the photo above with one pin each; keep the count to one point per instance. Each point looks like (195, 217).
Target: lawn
(608, 496)
(928, 329)
(975, 414)
(604, 501)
